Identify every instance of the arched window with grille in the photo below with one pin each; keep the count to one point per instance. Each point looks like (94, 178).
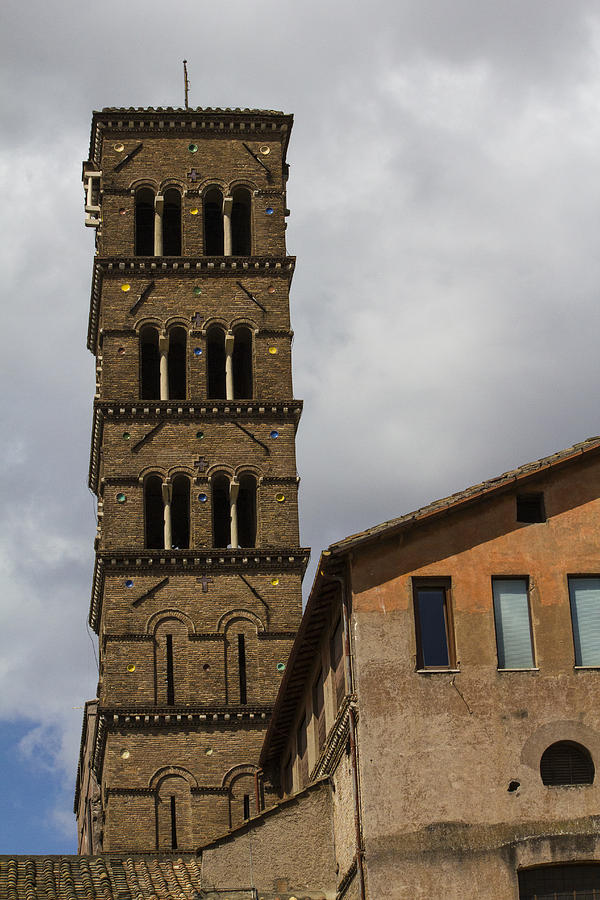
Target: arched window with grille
(144, 222)
(566, 763)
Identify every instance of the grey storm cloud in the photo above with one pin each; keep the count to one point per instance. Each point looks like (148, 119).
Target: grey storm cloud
(445, 210)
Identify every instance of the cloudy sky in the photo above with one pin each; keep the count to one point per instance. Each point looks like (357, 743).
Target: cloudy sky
(445, 199)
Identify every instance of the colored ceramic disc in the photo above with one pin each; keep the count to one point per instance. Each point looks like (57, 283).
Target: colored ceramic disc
(197, 351)
(202, 498)
(280, 498)
(269, 210)
(272, 350)
(121, 498)
(274, 434)
(125, 287)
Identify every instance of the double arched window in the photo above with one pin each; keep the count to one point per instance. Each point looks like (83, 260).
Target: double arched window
(227, 222)
(234, 510)
(157, 222)
(229, 363)
(167, 513)
(163, 363)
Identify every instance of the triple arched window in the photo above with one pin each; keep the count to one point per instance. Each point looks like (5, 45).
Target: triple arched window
(157, 222)
(234, 510)
(167, 513)
(227, 222)
(229, 363)
(163, 363)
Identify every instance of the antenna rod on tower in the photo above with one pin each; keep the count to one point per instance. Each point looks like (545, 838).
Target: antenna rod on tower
(186, 83)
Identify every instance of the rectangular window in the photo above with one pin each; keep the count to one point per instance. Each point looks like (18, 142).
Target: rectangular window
(336, 652)
(530, 508)
(435, 645)
(584, 594)
(319, 710)
(513, 625)
(302, 750)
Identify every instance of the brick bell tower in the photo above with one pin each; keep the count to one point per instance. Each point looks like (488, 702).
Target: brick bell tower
(196, 592)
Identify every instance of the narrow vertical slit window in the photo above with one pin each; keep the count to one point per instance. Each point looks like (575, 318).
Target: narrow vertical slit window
(246, 511)
(154, 520)
(242, 364)
(584, 594)
(241, 238)
(171, 223)
(337, 662)
(180, 513)
(246, 806)
(221, 511)
(215, 363)
(513, 625)
(173, 824)
(302, 750)
(177, 363)
(435, 649)
(149, 364)
(213, 222)
(319, 710)
(170, 677)
(242, 668)
(144, 222)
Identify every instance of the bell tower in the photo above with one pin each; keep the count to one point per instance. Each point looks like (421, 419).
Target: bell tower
(196, 593)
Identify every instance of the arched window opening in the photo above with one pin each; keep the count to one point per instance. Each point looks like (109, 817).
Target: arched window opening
(213, 222)
(180, 512)
(149, 364)
(144, 222)
(241, 243)
(173, 815)
(220, 511)
(171, 223)
(566, 763)
(154, 513)
(577, 881)
(242, 364)
(215, 363)
(246, 511)
(177, 363)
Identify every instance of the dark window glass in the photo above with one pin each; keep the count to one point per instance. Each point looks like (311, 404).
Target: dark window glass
(213, 222)
(566, 763)
(530, 508)
(576, 882)
(431, 613)
(180, 513)
(221, 511)
(241, 243)
(246, 806)
(177, 363)
(246, 511)
(154, 513)
(215, 363)
(171, 223)
(149, 364)
(144, 222)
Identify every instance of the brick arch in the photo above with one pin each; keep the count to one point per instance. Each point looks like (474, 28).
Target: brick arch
(560, 730)
(172, 182)
(148, 321)
(147, 471)
(177, 322)
(237, 772)
(219, 469)
(244, 468)
(244, 322)
(179, 469)
(143, 183)
(242, 183)
(208, 183)
(163, 615)
(234, 614)
(170, 772)
(214, 320)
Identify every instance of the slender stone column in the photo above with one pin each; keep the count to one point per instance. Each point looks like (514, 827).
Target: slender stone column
(227, 206)
(167, 492)
(229, 342)
(163, 349)
(159, 202)
(234, 488)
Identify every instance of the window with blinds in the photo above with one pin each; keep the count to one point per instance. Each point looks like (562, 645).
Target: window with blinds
(566, 763)
(584, 594)
(581, 882)
(513, 623)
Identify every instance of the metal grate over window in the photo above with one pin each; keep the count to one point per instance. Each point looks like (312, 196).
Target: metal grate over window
(577, 882)
(566, 763)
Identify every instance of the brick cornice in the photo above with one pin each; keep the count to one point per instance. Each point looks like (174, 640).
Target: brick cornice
(190, 266)
(270, 560)
(276, 411)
